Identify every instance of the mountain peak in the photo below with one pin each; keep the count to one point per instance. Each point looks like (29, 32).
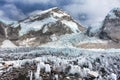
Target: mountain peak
(40, 12)
(42, 27)
(111, 26)
(50, 16)
(52, 12)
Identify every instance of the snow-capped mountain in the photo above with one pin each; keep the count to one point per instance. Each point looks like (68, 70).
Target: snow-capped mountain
(111, 26)
(42, 27)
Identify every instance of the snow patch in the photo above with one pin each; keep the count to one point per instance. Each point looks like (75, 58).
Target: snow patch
(112, 14)
(113, 76)
(96, 27)
(34, 26)
(47, 68)
(73, 40)
(45, 29)
(37, 74)
(8, 44)
(75, 69)
(6, 21)
(59, 14)
(72, 25)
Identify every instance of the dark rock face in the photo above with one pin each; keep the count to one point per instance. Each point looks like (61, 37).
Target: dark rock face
(13, 33)
(2, 31)
(111, 26)
(8, 32)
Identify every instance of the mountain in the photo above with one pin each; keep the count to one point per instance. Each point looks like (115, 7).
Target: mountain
(111, 26)
(42, 27)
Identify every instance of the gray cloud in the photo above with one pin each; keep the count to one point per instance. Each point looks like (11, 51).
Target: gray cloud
(94, 10)
(32, 1)
(11, 12)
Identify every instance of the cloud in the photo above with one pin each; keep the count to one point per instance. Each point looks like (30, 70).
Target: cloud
(87, 12)
(91, 11)
(2, 16)
(11, 12)
(31, 1)
(34, 12)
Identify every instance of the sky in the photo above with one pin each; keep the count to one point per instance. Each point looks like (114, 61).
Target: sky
(87, 12)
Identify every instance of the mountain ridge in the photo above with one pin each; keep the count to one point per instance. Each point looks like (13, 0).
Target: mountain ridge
(47, 27)
(42, 25)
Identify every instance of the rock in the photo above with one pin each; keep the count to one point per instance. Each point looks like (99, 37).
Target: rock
(13, 33)
(111, 26)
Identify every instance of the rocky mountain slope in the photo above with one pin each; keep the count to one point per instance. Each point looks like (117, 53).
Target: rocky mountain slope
(111, 26)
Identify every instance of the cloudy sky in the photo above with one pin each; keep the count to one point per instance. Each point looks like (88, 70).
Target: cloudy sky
(87, 12)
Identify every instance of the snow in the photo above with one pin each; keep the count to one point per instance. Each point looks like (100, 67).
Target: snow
(72, 40)
(85, 72)
(75, 69)
(56, 77)
(40, 12)
(37, 74)
(6, 34)
(96, 27)
(45, 11)
(8, 44)
(6, 21)
(47, 68)
(113, 76)
(72, 25)
(15, 24)
(45, 29)
(93, 73)
(61, 62)
(35, 26)
(112, 14)
(32, 24)
(60, 14)
(31, 75)
(42, 65)
(57, 15)
(63, 52)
